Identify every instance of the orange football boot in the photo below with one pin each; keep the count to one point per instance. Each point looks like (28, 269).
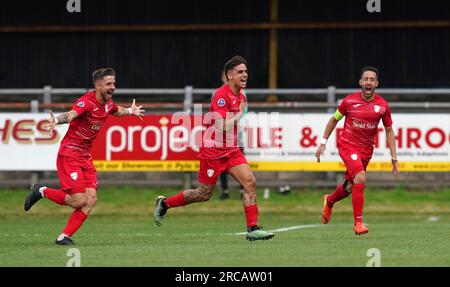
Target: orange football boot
(360, 228)
(326, 213)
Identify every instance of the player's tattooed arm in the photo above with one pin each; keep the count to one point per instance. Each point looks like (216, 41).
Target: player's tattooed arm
(133, 110)
(202, 193)
(121, 111)
(59, 120)
(65, 117)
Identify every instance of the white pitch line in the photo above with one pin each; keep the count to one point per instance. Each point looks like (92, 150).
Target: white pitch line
(286, 228)
(433, 219)
(283, 229)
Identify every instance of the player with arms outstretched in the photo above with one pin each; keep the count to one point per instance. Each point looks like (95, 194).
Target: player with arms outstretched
(77, 174)
(363, 112)
(220, 152)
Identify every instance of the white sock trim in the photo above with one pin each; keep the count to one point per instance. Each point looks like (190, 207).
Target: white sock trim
(41, 191)
(61, 236)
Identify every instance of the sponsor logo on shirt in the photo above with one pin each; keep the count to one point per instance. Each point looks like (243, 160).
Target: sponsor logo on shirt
(221, 102)
(359, 125)
(80, 104)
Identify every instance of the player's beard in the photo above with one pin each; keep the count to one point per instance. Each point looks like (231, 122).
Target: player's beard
(108, 95)
(368, 92)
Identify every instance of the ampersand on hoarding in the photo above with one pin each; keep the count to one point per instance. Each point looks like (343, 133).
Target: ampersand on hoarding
(306, 139)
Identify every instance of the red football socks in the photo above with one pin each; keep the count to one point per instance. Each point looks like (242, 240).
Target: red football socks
(76, 219)
(55, 195)
(358, 201)
(176, 200)
(337, 195)
(251, 213)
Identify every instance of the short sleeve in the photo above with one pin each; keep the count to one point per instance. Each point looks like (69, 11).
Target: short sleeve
(387, 119)
(219, 104)
(343, 107)
(80, 106)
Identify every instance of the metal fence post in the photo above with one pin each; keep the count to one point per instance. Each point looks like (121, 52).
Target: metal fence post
(34, 105)
(47, 96)
(331, 99)
(187, 106)
(188, 99)
(34, 178)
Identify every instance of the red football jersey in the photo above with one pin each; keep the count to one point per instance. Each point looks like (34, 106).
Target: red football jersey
(216, 142)
(84, 129)
(362, 119)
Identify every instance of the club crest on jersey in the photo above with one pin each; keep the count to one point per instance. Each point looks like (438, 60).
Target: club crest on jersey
(210, 172)
(74, 175)
(354, 156)
(376, 108)
(80, 104)
(106, 108)
(221, 102)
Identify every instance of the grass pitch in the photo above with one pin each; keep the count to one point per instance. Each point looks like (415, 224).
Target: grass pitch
(408, 228)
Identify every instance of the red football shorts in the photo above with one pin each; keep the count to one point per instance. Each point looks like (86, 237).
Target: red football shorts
(76, 174)
(210, 169)
(354, 160)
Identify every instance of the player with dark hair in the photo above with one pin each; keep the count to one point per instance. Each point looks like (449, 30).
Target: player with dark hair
(77, 174)
(224, 175)
(363, 112)
(220, 152)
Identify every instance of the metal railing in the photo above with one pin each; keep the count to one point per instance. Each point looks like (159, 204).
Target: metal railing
(188, 94)
(43, 100)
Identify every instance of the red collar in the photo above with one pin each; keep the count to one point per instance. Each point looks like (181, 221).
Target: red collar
(364, 99)
(95, 99)
(229, 90)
